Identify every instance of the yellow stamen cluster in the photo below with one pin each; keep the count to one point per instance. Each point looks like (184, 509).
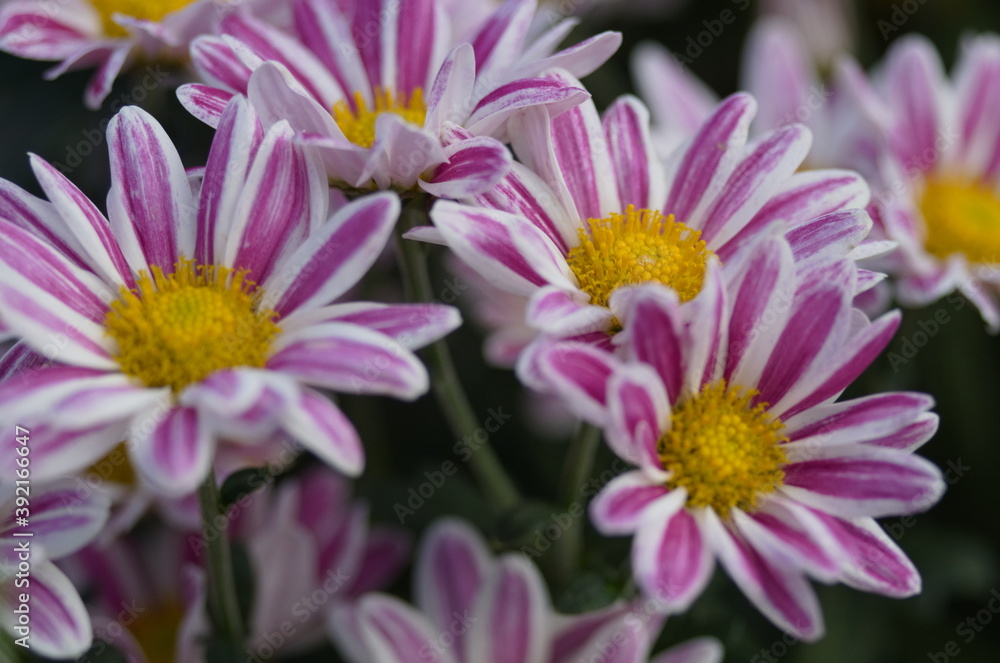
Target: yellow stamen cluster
(636, 247)
(358, 123)
(150, 10)
(155, 629)
(962, 216)
(174, 330)
(724, 451)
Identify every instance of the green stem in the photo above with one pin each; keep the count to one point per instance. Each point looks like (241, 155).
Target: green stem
(579, 464)
(223, 601)
(483, 461)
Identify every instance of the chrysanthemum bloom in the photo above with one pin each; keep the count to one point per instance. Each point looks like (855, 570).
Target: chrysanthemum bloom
(59, 522)
(777, 70)
(388, 92)
(310, 546)
(475, 608)
(107, 34)
(935, 182)
(593, 210)
(147, 595)
(728, 408)
(192, 319)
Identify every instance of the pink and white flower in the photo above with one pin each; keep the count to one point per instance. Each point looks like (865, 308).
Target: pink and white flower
(390, 94)
(58, 523)
(477, 608)
(936, 176)
(189, 319)
(108, 34)
(728, 408)
(592, 210)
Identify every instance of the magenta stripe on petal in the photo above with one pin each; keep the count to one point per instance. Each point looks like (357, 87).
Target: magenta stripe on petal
(724, 130)
(36, 216)
(656, 336)
(150, 183)
(417, 31)
(671, 560)
(877, 415)
(873, 562)
(217, 61)
(204, 102)
(503, 33)
(521, 192)
(626, 125)
(179, 455)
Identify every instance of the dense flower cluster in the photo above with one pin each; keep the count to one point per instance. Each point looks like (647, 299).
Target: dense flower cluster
(696, 281)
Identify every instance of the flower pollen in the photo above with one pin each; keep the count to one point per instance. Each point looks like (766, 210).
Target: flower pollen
(962, 217)
(637, 247)
(724, 451)
(147, 10)
(358, 123)
(175, 330)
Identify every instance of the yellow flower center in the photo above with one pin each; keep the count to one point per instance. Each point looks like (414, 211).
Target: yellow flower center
(150, 10)
(636, 247)
(723, 450)
(175, 330)
(962, 216)
(358, 123)
(155, 630)
(114, 467)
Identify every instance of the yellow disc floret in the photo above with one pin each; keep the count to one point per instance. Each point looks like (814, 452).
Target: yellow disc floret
(962, 216)
(358, 123)
(636, 247)
(176, 329)
(723, 450)
(149, 10)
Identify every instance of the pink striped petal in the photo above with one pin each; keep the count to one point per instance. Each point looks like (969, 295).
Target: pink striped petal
(753, 182)
(679, 100)
(28, 31)
(510, 615)
(623, 503)
(803, 197)
(270, 44)
(284, 192)
(579, 374)
(501, 38)
(915, 80)
(150, 187)
(696, 650)
(638, 414)
(324, 430)
(100, 84)
(977, 83)
(522, 192)
(396, 633)
(709, 154)
(326, 31)
(351, 359)
(241, 403)
(386, 553)
(336, 256)
(37, 261)
(473, 166)
(911, 437)
(420, 27)
(778, 72)
(864, 481)
(671, 559)
(451, 570)
(762, 291)
(873, 562)
(507, 250)
(53, 327)
(60, 625)
(493, 110)
(636, 166)
(782, 594)
(859, 419)
(559, 313)
(654, 335)
(219, 65)
(831, 235)
(100, 249)
(236, 142)
(411, 325)
(204, 102)
(580, 59)
(786, 534)
(451, 96)
(849, 363)
(63, 520)
(175, 455)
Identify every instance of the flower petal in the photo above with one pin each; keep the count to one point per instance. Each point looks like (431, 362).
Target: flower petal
(510, 616)
(323, 429)
(175, 455)
(672, 560)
